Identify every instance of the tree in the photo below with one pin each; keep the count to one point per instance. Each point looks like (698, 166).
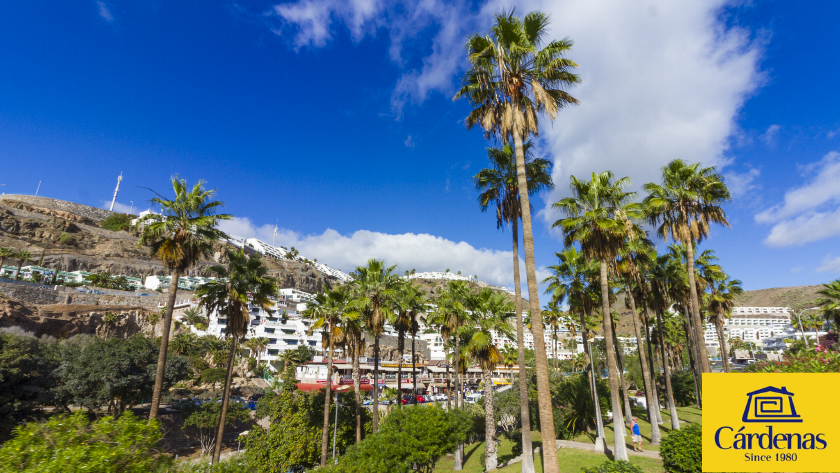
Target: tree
(74, 443)
(179, 237)
(183, 343)
(376, 286)
(26, 371)
(202, 420)
(830, 302)
(510, 82)
(108, 321)
(719, 304)
(688, 200)
(5, 252)
(326, 311)
(552, 315)
(115, 372)
(121, 282)
(601, 218)
(499, 187)
(193, 318)
(490, 311)
(242, 284)
(257, 346)
(23, 257)
(408, 305)
(101, 279)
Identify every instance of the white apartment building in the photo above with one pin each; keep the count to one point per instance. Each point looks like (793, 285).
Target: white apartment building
(767, 326)
(281, 253)
(189, 283)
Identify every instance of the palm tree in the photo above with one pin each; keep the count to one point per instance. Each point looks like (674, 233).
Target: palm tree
(376, 285)
(121, 282)
(326, 312)
(108, 321)
(499, 187)
(193, 318)
(602, 219)
(830, 302)
(101, 279)
(490, 311)
(257, 346)
(352, 323)
(688, 200)
(552, 314)
(510, 82)
(720, 303)
(242, 284)
(510, 357)
(183, 343)
(5, 252)
(22, 256)
(179, 237)
(573, 278)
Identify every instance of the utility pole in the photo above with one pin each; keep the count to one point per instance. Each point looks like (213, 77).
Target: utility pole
(39, 188)
(119, 179)
(274, 240)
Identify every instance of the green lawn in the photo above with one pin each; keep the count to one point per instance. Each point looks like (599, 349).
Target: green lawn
(571, 460)
(687, 415)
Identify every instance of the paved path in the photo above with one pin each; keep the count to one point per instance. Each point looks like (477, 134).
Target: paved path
(588, 447)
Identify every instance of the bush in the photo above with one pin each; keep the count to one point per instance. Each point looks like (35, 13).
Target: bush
(804, 361)
(609, 466)
(117, 222)
(66, 239)
(682, 383)
(682, 450)
(212, 376)
(73, 443)
(201, 421)
(574, 400)
(26, 366)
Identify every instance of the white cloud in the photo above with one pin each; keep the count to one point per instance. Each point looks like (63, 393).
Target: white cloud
(409, 142)
(769, 136)
(741, 183)
(832, 133)
(120, 207)
(104, 11)
(829, 265)
(422, 252)
(810, 212)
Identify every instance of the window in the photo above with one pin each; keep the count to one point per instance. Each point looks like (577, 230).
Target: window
(222, 321)
(290, 341)
(312, 344)
(273, 352)
(272, 341)
(269, 330)
(223, 330)
(288, 331)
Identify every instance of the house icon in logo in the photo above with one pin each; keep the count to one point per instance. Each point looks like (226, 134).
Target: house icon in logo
(770, 405)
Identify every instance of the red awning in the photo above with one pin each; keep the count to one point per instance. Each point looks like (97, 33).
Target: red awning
(316, 386)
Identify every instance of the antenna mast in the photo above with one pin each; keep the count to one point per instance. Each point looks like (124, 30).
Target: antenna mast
(119, 179)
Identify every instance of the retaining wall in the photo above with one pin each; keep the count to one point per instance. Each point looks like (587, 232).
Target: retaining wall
(35, 294)
(93, 213)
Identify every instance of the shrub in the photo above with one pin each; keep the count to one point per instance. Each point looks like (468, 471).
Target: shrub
(66, 239)
(73, 443)
(26, 366)
(804, 361)
(682, 383)
(117, 222)
(212, 376)
(609, 466)
(201, 421)
(682, 450)
(574, 398)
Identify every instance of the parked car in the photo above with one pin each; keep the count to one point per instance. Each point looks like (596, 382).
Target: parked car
(256, 397)
(367, 402)
(429, 398)
(420, 398)
(440, 397)
(473, 398)
(408, 399)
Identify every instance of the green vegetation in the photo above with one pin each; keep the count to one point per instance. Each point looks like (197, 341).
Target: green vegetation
(116, 222)
(613, 467)
(682, 451)
(74, 443)
(201, 421)
(687, 416)
(26, 377)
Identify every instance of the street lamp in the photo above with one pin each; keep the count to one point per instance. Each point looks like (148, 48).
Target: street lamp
(799, 318)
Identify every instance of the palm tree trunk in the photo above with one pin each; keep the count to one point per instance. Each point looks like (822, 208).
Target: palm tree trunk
(401, 345)
(619, 448)
(375, 420)
(696, 370)
(357, 386)
(723, 352)
(628, 413)
(675, 421)
(490, 459)
(593, 388)
(704, 365)
(448, 389)
(655, 435)
(413, 362)
(459, 449)
(164, 345)
(325, 435)
(549, 445)
(217, 451)
(524, 408)
(653, 372)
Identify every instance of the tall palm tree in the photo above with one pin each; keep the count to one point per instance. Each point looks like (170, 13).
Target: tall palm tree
(499, 188)
(376, 285)
(23, 257)
(179, 237)
(573, 278)
(830, 302)
(684, 205)
(489, 311)
(720, 303)
(257, 345)
(352, 323)
(121, 282)
(326, 312)
(5, 252)
(510, 357)
(552, 314)
(601, 219)
(243, 283)
(101, 279)
(512, 79)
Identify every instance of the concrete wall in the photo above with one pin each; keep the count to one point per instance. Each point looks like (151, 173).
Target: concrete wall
(93, 213)
(33, 294)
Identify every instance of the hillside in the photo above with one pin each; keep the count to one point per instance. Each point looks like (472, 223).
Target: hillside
(796, 297)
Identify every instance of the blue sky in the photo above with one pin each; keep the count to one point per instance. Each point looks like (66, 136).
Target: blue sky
(335, 118)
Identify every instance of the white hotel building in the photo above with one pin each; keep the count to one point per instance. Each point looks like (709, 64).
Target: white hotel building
(766, 327)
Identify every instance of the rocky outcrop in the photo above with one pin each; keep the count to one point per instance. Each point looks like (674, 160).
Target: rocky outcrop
(62, 321)
(83, 211)
(17, 204)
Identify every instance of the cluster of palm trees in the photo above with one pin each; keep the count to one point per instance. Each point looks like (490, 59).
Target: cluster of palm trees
(106, 280)
(22, 257)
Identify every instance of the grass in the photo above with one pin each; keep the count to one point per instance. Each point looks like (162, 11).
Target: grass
(687, 415)
(573, 460)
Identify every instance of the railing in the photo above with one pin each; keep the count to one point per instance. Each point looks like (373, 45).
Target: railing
(178, 303)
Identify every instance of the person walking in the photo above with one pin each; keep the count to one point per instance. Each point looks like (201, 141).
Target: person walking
(637, 435)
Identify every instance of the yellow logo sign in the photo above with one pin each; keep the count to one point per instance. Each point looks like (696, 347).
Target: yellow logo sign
(765, 422)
